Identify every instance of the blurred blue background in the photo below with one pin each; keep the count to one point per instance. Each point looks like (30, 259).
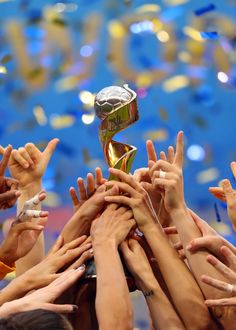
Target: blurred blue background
(177, 55)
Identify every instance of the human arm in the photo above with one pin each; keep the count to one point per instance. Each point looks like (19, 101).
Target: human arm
(187, 292)
(107, 232)
(44, 298)
(8, 187)
(27, 165)
(161, 310)
(60, 256)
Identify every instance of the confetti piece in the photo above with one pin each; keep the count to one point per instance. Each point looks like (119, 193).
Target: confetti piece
(204, 10)
(218, 219)
(175, 83)
(40, 115)
(213, 35)
(58, 122)
(208, 175)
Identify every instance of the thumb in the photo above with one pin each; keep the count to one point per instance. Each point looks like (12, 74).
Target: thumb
(229, 191)
(124, 248)
(2, 150)
(50, 149)
(113, 191)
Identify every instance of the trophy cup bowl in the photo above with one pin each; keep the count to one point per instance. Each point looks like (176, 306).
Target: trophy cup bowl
(117, 108)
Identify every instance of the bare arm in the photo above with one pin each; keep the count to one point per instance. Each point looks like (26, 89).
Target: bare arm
(28, 165)
(113, 306)
(161, 310)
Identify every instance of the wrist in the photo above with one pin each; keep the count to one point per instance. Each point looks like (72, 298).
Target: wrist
(100, 243)
(180, 211)
(31, 188)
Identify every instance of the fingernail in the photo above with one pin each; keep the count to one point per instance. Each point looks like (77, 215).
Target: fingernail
(74, 308)
(91, 251)
(17, 193)
(189, 247)
(26, 165)
(82, 267)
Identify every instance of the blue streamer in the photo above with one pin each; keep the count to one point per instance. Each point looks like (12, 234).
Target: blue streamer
(218, 218)
(206, 9)
(209, 35)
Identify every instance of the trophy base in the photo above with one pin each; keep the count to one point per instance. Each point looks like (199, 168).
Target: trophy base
(90, 274)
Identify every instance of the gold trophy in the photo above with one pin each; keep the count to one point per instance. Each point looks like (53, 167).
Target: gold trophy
(117, 108)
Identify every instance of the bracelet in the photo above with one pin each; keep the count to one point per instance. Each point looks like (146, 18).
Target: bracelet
(148, 293)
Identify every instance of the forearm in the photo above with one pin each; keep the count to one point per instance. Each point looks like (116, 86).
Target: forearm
(77, 226)
(162, 312)
(197, 260)
(187, 292)
(112, 290)
(37, 253)
(15, 289)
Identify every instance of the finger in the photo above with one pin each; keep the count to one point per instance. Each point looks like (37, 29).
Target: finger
(57, 308)
(233, 169)
(224, 270)
(163, 183)
(74, 196)
(179, 150)
(170, 230)
(36, 200)
(99, 177)
(87, 255)
(36, 214)
(229, 192)
(65, 281)
(123, 187)
(229, 257)
(178, 246)
(199, 243)
(19, 159)
(5, 159)
(171, 154)
(90, 184)
(74, 244)
(12, 183)
(2, 150)
(57, 245)
(182, 254)
(124, 248)
(24, 154)
(9, 196)
(151, 152)
(18, 228)
(220, 285)
(134, 245)
(118, 200)
(33, 151)
(50, 149)
(221, 302)
(163, 155)
(126, 178)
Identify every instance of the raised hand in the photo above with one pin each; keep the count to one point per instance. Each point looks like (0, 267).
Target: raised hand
(169, 177)
(8, 187)
(229, 274)
(23, 233)
(135, 197)
(210, 239)
(219, 192)
(114, 224)
(86, 192)
(28, 164)
(44, 298)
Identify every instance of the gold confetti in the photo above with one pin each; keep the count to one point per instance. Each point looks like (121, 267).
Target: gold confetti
(158, 135)
(40, 115)
(58, 122)
(175, 83)
(208, 175)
